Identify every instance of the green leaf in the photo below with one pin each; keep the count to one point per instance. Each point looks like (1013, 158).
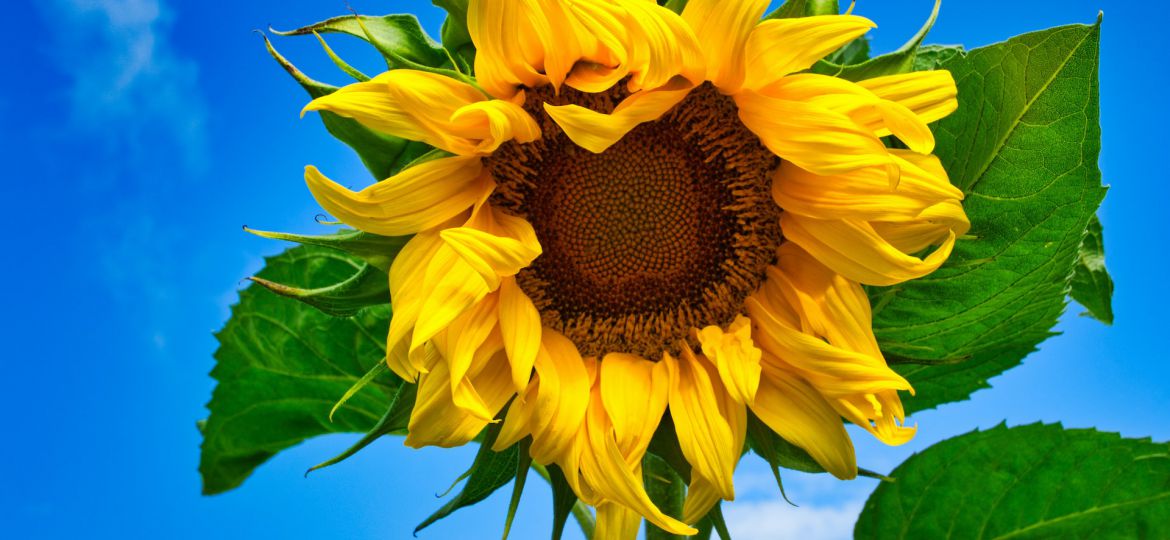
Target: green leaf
(1023, 146)
(368, 286)
(854, 52)
(804, 8)
(676, 6)
(666, 489)
(1091, 285)
(490, 471)
(281, 365)
(378, 251)
(933, 56)
(1035, 481)
(456, 38)
(382, 154)
(341, 64)
(396, 36)
(899, 61)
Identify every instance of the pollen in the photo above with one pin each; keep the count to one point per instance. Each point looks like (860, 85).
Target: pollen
(669, 229)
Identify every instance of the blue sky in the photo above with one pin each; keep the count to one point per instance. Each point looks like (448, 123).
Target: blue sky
(139, 135)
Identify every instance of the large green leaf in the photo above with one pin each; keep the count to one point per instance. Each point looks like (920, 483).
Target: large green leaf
(456, 38)
(281, 366)
(382, 154)
(1091, 285)
(1023, 146)
(1035, 481)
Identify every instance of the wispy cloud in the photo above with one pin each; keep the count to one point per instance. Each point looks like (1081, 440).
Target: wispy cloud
(129, 84)
(778, 520)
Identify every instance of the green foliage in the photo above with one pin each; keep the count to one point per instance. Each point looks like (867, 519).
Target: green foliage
(899, 61)
(1091, 285)
(378, 251)
(367, 287)
(1035, 481)
(804, 8)
(489, 472)
(666, 488)
(1023, 146)
(398, 37)
(456, 38)
(281, 366)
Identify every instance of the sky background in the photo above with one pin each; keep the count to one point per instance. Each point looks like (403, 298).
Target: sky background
(139, 135)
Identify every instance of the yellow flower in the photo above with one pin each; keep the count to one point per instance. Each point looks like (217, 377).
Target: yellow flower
(649, 213)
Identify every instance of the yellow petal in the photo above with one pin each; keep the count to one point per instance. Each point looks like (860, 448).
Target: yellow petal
(930, 94)
(437, 421)
(735, 356)
(701, 498)
(798, 413)
(881, 414)
(406, 300)
(562, 398)
(609, 473)
(595, 131)
(465, 336)
(856, 250)
(723, 27)
(502, 251)
(411, 201)
(518, 423)
(781, 46)
(431, 108)
(634, 393)
(879, 116)
(705, 432)
(450, 286)
(662, 46)
(812, 137)
(520, 327)
(865, 193)
(616, 522)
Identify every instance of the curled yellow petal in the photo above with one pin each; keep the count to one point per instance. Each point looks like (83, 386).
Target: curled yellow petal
(735, 356)
(798, 413)
(411, 201)
(856, 250)
(431, 108)
(701, 498)
(437, 421)
(520, 328)
(708, 430)
(634, 393)
(595, 131)
(562, 397)
(616, 522)
(781, 46)
(930, 94)
(497, 252)
(812, 137)
(723, 27)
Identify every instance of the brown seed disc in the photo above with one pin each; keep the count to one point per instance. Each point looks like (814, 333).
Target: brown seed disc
(669, 229)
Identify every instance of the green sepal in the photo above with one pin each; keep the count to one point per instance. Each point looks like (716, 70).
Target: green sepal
(383, 155)
(378, 251)
(676, 6)
(1091, 285)
(394, 421)
(368, 286)
(281, 365)
(399, 38)
(1033, 481)
(456, 38)
(899, 61)
(791, 9)
(341, 64)
(565, 502)
(522, 466)
(489, 471)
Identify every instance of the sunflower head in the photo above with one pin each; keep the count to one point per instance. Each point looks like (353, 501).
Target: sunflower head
(647, 214)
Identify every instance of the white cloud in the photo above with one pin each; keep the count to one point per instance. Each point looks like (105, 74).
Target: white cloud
(777, 520)
(130, 87)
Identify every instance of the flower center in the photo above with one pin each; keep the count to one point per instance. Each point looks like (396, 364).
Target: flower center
(669, 229)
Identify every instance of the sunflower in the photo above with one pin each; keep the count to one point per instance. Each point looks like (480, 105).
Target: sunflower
(646, 214)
